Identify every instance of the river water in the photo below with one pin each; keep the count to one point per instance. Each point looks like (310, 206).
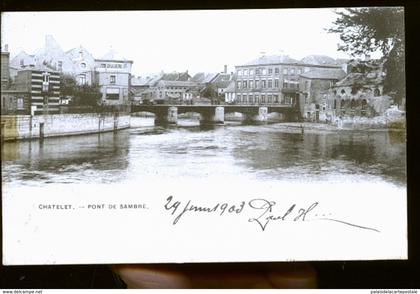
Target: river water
(268, 152)
(355, 178)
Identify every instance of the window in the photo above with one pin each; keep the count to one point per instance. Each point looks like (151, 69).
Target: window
(251, 84)
(376, 92)
(307, 69)
(270, 98)
(251, 72)
(60, 65)
(112, 79)
(257, 84)
(103, 65)
(276, 98)
(285, 71)
(263, 98)
(83, 65)
(264, 71)
(46, 82)
(292, 71)
(245, 72)
(257, 98)
(238, 84)
(239, 97)
(20, 103)
(276, 70)
(343, 92)
(251, 99)
(299, 71)
(81, 79)
(244, 84)
(270, 71)
(276, 83)
(112, 96)
(263, 84)
(257, 71)
(270, 83)
(22, 63)
(239, 72)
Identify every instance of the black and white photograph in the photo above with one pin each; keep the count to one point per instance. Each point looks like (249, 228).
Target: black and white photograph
(203, 136)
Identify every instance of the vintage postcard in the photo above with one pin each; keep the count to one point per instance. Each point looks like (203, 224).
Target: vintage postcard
(203, 136)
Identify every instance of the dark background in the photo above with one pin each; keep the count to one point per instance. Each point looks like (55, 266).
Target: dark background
(337, 274)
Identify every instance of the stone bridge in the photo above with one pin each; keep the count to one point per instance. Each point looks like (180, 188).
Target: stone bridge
(215, 114)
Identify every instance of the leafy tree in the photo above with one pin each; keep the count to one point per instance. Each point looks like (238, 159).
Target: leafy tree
(366, 30)
(82, 95)
(87, 95)
(68, 85)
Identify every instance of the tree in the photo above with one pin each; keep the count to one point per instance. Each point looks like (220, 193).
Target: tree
(82, 95)
(88, 95)
(366, 30)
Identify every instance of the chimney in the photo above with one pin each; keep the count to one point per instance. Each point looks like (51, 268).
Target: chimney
(6, 48)
(225, 69)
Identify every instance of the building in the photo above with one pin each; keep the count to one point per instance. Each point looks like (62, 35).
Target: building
(5, 72)
(113, 77)
(230, 93)
(314, 86)
(15, 102)
(110, 72)
(84, 65)
(12, 101)
(164, 88)
(38, 91)
(360, 93)
(274, 79)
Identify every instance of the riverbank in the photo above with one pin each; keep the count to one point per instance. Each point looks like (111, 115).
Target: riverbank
(27, 127)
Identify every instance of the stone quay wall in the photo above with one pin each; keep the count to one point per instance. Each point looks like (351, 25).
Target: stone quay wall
(20, 127)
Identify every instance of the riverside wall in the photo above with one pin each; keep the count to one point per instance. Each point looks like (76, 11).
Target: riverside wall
(20, 127)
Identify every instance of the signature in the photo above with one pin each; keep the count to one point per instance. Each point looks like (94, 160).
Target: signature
(291, 214)
(265, 216)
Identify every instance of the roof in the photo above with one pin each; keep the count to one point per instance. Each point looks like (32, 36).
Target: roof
(318, 60)
(177, 83)
(231, 87)
(175, 76)
(324, 74)
(272, 59)
(144, 80)
(360, 78)
(204, 78)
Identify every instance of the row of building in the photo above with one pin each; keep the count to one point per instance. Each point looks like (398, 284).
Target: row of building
(320, 86)
(31, 82)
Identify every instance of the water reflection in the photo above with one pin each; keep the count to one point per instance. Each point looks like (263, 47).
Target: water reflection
(261, 152)
(293, 155)
(67, 159)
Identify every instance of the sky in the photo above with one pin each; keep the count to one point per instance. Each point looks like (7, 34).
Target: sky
(197, 41)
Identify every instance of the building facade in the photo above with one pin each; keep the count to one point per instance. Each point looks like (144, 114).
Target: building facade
(43, 91)
(113, 77)
(314, 88)
(272, 80)
(5, 72)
